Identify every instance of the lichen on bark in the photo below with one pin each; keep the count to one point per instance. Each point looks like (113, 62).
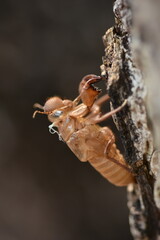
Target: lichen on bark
(125, 81)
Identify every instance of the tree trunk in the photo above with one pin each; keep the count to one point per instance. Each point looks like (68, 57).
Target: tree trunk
(132, 56)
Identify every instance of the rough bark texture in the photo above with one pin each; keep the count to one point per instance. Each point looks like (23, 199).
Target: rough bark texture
(125, 81)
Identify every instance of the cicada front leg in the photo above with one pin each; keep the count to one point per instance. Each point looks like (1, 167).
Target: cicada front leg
(88, 92)
(96, 108)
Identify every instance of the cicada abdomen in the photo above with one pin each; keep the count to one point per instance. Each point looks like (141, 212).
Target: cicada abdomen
(96, 145)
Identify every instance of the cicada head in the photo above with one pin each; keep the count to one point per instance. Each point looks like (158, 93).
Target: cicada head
(52, 107)
(53, 103)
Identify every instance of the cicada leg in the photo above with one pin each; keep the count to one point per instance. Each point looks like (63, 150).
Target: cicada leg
(87, 91)
(99, 118)
(96, 108)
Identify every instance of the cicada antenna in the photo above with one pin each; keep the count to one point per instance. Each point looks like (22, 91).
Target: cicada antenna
(35, 112)
(37, 105)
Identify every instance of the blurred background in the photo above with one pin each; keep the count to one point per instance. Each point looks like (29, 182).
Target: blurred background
(46, 193)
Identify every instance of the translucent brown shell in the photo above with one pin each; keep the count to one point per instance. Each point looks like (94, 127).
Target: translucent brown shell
(77, 126)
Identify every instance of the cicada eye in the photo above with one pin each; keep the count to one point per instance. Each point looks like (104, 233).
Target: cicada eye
(57, 113)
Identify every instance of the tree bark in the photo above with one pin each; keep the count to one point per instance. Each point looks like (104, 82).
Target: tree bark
(124, 70)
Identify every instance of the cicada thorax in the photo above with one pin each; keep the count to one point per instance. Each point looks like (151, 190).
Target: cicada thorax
(92, 144)
(66, 127)
(68, 122)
